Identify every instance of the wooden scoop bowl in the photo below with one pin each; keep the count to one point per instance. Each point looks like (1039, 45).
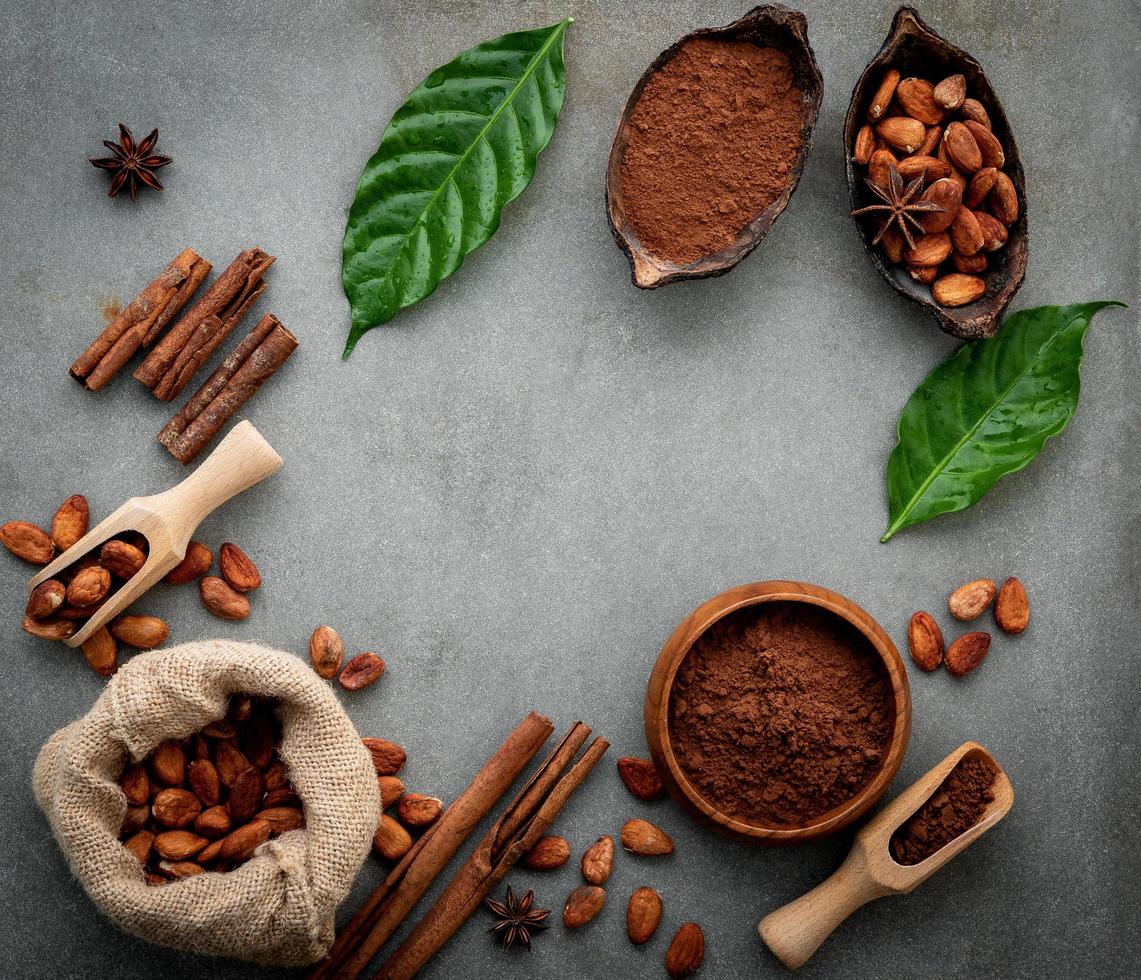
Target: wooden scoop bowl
(168, 520)
(796, 930)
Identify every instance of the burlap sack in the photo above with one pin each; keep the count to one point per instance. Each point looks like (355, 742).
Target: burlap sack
(278, 907)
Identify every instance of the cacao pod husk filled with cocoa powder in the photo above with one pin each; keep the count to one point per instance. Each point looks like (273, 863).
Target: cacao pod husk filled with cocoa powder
(711, 145)
(276, 908)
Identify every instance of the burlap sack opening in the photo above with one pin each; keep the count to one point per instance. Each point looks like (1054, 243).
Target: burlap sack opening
(278, 907)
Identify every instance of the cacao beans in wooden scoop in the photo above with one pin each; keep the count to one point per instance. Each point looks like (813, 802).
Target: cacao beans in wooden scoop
(914, 51)
(768, 26)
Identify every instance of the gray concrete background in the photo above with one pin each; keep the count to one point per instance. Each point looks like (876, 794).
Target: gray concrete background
(518, 489)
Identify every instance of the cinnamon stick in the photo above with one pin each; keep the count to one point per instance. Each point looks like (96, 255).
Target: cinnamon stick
(141, 320)
(233, 383)
(532, 795)
(390, 904)
(495, 855)
(189, 344)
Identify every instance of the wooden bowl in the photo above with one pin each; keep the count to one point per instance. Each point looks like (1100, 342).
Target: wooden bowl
(772, 26)
(914, 49)
(677, 647)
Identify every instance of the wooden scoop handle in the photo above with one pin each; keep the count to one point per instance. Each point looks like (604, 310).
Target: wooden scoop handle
(795, 931)
(240, 460)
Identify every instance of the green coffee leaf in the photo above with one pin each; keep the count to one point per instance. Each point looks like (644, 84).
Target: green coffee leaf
(986, 412)
(461, 147)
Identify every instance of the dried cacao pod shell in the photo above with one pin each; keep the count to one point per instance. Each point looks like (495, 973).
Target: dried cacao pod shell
(766, 26)
(913, 49)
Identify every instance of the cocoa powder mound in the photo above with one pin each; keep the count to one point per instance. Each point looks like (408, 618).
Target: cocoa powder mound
(780, 712)
(711, 143)
(954, 808)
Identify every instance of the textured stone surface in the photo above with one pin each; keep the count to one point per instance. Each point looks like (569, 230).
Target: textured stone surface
(516, 491)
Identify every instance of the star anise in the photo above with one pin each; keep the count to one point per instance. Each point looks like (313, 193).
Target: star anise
(899, 205)
(517, 919)
(132, 164)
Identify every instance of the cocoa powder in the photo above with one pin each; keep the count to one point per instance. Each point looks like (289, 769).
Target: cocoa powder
(780, 712)
(711, 143)
(954, 808)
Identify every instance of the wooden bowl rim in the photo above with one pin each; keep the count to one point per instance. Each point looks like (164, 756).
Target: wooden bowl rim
(982, 317)
(648, 272)
(677, 648)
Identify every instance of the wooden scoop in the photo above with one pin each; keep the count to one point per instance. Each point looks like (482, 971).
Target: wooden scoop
(168, 520)
(795, 931)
